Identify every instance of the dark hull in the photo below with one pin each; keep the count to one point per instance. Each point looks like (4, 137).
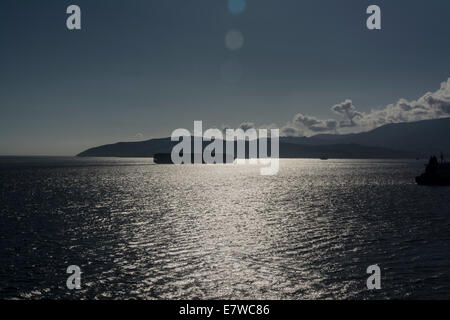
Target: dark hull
(166, 158)
(432, 180)
(162, 158)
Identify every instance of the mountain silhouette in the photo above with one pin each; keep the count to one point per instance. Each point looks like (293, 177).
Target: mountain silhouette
(399, 140)
(422, 137)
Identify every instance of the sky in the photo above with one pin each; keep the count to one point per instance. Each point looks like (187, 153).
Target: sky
(139, 69)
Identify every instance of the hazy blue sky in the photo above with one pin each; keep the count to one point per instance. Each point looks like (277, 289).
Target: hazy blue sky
(150, 66)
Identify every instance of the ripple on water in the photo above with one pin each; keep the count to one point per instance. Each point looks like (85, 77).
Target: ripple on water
(139, 230)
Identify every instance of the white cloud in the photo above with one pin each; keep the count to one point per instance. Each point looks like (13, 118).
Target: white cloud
(247, 125)
(314, 124)
(291, 131)
(348, 110)
(432, 105)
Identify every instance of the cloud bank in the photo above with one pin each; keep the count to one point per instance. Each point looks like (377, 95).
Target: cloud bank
(432, 105)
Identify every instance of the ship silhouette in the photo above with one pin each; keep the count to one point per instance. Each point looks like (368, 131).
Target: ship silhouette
(436, 173)
(166, 158)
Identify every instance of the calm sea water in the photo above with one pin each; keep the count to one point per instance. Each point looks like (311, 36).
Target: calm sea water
(139, 230)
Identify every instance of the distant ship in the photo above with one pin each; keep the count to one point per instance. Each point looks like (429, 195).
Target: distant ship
(323, 158)
(436, 173)
(166, 158)
(162, 158)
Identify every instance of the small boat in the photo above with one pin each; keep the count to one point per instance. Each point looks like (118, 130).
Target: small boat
(323, 158)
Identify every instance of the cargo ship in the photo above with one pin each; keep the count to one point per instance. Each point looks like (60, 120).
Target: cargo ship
(166, 158)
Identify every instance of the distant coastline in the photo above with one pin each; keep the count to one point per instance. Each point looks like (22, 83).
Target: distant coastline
(412, 140)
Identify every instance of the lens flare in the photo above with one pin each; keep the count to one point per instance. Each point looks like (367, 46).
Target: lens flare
(234, 40)
(236, 6)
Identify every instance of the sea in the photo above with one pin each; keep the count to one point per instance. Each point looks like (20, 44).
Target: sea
(138, 230)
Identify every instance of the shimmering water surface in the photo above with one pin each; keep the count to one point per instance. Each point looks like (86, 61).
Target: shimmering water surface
(140, 230)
